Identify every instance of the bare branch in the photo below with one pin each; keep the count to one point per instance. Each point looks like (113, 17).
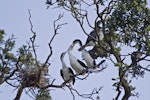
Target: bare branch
(145, 68)
(32, 39)
(56, 28)
(31, 91)
(95, 91)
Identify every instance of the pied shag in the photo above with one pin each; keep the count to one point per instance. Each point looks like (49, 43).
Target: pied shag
(90, 61)
(66, 72)
(86, 56)
(93, 37)
(76, 64)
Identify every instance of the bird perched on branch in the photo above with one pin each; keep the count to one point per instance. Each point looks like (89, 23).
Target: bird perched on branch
(94, 36)
(76, 64)
(66, 72)
(85, 55)
(91, 63)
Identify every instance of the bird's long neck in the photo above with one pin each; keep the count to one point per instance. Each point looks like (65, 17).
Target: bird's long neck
(63, 63)
(70, 54)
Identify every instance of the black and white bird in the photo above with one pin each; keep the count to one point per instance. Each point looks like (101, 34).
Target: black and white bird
(66, 72)
(94, 36)
(85, 55)
(90, 61)
(76, 64)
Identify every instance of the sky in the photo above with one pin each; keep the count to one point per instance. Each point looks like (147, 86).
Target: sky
(14, 19)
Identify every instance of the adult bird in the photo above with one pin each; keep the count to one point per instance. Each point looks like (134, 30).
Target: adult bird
(90, 61)
(85, 55)
(93, 37)
(66, 72)
(76, 64)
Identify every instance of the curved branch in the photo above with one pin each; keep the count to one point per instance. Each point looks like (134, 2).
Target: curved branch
(56, 28)
(94, 91)
(32, 39)
(127, 89)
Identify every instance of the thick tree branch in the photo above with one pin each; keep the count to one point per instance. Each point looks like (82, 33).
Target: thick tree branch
(19, 92)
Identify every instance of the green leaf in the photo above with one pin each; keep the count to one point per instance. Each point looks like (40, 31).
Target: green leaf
(9, 55)
(118, 50)
(148, 28)
(135, 3)
(1, 35)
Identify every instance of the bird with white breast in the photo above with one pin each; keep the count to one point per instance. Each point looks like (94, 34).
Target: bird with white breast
(66, 72)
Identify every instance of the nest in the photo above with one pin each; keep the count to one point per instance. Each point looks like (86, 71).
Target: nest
(33, 76)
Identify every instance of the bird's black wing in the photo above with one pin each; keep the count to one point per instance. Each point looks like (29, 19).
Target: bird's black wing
(92, 34)
(82, 63)
(94, 62)
(73, 77)
(71, 71)
(91, 38)
(61, 73)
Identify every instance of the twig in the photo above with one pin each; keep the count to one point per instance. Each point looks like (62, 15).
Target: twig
(13, 72)
(95, 91)
(32, 39)
(56, 28)
(30, 90)
(145, 68)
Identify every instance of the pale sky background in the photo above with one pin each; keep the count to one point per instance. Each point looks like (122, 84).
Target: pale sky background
(14, 20)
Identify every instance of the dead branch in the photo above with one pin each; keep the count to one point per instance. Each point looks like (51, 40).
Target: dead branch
(32, 39)
(31, 90)
(56, 28)
(145, 68)
(90, 95)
